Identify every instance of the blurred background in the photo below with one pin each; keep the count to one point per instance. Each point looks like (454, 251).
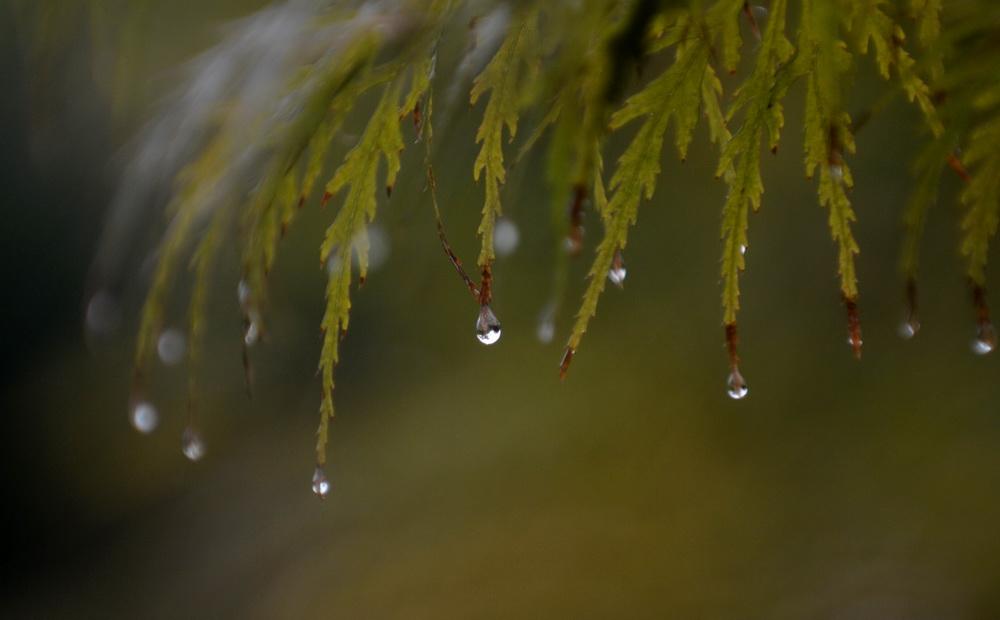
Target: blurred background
(468, 481)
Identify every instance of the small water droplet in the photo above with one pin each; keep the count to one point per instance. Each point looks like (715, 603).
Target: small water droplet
(986, 339)
(618, 272)
(743, 250)
(243, 293)
(837, 172)
(908, 329)
(192, 444)
(320, 483)
(506, 237)
(487, 326)
(144, 417)
(252, 334)
(170, 346)
(546, 330)
(736, 385)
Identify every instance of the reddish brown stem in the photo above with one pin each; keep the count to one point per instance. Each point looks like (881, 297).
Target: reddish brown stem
(567, 359)
(732, 343)
(443, 238)
(956, 165)
(754, 26)
(853, 325)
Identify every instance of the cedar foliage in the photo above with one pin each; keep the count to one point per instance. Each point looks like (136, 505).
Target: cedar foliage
(575, 68)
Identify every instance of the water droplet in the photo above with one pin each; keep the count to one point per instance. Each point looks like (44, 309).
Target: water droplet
(243, 293)
(546, 330)
(506, 237)
(618, 272)
(736, 385)
(320, 483)
(379, 247)
(743, 250)
(837, 172)
(170, 346)
(192, 444)
(103, 313)
(252, 334)
(986, 339)
(144, 417)
(908, 329)
(487, 326)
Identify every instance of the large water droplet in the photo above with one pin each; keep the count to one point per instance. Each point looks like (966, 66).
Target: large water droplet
(144, 417)
(320, 483)
(986, 339)
(170, 346)
(505, 237)
(736, 385)
(192, 444)
(487, 326)
(618, 272)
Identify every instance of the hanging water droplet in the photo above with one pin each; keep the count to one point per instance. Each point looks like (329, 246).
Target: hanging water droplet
(986, 339)
(618, 272)
(192, 444)
(743, 250)
(505, 237)
(736, 385)
(908, 329)
(487, 326)
(320, 483)
(252, 334)
(144, 417)
(170, 346)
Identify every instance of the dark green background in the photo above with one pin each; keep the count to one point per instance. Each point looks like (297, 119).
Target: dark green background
(470, 482)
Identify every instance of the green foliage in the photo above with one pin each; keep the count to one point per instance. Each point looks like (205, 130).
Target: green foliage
(759, 98)
(381, 140)
(506, 77)
(567, 67)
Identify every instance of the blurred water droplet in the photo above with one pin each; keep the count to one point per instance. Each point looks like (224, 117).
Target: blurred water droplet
(252, 334)
(506, 237)
(379, 247)
(103, 313)
(243, 293)
(170, 346)
(743, 250)
(546, 330)
(837, 172)
(144, 417)
(618, 272)
(908, 329)
(192, 444)
(736, 385)
(986, 339)
(320, 483)
(487, 326)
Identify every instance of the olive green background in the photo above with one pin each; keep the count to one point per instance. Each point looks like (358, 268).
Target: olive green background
(468, 482)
